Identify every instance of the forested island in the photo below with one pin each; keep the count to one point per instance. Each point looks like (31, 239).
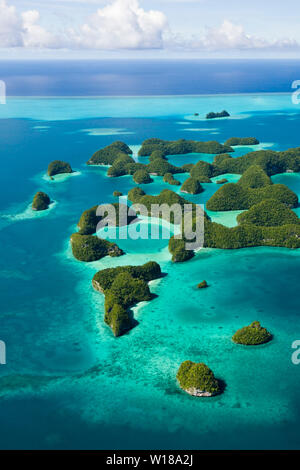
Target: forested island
(213, 115)
(234, 141)
(197, 379)
(57, 167)
(252, 335)
(267, 220)
(41, 201)
(123, 287)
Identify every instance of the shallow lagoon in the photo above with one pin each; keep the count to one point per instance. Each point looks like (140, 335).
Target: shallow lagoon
(66, 375)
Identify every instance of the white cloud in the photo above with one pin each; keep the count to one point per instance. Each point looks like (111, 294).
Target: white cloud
(228, 36)
(23, 30)
(10, 26)
(122, 24)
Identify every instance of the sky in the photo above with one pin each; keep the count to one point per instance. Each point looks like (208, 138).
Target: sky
(71, 29)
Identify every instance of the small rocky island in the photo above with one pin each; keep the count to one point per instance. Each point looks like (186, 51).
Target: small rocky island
(90, 248)
(197, 380)
(57, 167)
(252, 335)
(202, 285)
(234, 141)
(213, 115)
(191, 186)
(169, 178)
(41, 201)
(142, 177)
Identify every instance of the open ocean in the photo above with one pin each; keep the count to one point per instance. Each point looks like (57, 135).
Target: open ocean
(68, 383)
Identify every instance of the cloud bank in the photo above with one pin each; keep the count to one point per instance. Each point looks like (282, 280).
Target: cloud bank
(124, 24)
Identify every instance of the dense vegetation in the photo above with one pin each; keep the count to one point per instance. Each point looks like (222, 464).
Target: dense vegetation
(191, 186)
(213, 115)
(254, 177)
(41, 201)
(169, 178)
(109, 154)
(249, 235)
(58, 167)
(117, 194)
(89, 219)
(181, 147)
(193, 378)
(268, 213)
(123, 287)
(202, 285)
(160, 167)
(202, 171)
(252, 335)
(142, 177)
(241, 141)
(270, 161)
(91, 248)
(231, 197)
(178, 251)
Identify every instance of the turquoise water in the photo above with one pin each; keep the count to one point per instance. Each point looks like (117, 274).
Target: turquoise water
(68, 382)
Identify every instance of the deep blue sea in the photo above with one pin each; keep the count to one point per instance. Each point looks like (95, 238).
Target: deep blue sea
(68, 383)
(152, 77)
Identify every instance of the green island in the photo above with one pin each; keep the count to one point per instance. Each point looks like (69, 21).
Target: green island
(88, 247)
(269, 213)
(234, 141)
(253, 187)
(169, 178)
(222, 181)
(89, 219)
(124, 287)
(268, 219)
(202, 171)
(91, 248)
(41, 201)
(109, 154)
(252, 335)
(197, 379)
(142, 177)
(181, 147)
(202, 285)
(57, 167)
(213, 115)
(117, 194)
(191, 186)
